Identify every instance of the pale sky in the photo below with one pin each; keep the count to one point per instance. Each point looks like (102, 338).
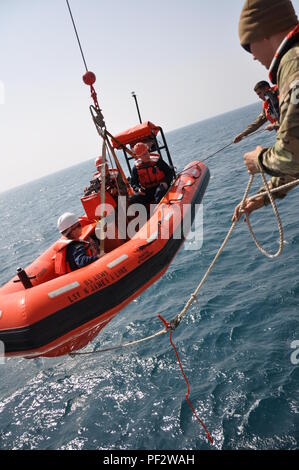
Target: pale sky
(183, 60)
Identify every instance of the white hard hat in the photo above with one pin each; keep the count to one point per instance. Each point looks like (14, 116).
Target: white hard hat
(66, 220)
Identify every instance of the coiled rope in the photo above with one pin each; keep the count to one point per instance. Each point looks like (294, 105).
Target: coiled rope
(279, 223)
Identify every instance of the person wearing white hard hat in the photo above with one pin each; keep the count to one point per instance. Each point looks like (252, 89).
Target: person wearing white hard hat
(76, 253)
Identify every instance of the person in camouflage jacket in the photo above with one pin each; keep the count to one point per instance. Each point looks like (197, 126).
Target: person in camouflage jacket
(270, 31)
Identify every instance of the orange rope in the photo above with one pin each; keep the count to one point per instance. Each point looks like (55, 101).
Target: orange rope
(169, 328)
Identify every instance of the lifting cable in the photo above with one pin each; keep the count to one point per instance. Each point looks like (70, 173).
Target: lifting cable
(228, 145)
(77, 35)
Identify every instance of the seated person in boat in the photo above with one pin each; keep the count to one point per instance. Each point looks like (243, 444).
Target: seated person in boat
(151, 176)
(95, 182)
(114, 183)
(270, 112)
(74, 252)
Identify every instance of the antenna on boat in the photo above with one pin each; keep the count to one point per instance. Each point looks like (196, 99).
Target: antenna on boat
(136, 102)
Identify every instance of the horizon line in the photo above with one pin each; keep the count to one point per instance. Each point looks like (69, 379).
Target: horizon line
(88, 159)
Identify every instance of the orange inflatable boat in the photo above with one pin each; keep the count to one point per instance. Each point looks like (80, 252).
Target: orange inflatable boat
(51, 315)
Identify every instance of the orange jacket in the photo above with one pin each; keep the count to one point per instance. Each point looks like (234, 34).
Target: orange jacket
(149, 173)
(271, 105)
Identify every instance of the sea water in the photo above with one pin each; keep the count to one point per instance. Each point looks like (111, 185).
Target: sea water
(236, 343)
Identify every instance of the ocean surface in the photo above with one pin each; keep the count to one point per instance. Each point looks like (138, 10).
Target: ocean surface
(235, 343)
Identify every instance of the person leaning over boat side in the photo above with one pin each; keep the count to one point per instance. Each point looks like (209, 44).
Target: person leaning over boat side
(270, 32)
(151, 176)
(270, 97)
(75, 253)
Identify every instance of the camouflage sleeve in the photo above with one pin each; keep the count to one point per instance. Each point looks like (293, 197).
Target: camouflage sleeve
(255, 125)
(283, 158)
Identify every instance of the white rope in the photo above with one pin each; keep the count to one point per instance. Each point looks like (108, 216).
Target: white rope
(120, 346)
(229, 233)
(279, 223)
(275, 190)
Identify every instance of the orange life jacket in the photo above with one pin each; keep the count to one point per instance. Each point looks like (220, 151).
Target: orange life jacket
(149, 174)
(271, 105)
(288, 42)
(62, 266)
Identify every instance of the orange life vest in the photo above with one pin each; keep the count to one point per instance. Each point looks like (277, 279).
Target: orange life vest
(288, 42)
(149, 174)
(61, 264)
(271, 105)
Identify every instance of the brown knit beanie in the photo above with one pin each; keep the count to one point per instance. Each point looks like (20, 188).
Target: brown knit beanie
(263, 18)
